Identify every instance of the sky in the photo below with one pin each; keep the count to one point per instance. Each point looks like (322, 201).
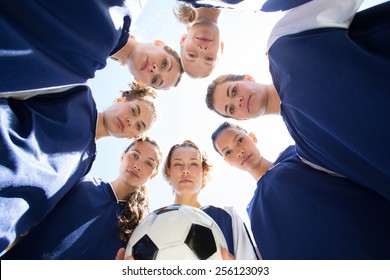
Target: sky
(183, 113)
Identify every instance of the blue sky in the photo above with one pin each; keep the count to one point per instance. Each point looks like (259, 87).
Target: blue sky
(182, 111)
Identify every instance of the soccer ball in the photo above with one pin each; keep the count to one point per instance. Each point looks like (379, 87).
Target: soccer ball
(176, 232)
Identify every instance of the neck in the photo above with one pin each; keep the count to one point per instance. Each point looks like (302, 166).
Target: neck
(191, 200)
(261, 168)
(101, 130)
(207, 14)
(124, 53)
(121, 189)
(273, 103)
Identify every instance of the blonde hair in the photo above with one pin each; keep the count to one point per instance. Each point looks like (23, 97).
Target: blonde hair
(185, 14)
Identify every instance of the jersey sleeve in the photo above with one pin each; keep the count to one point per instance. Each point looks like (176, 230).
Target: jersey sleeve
(314, 15)
(244, 247)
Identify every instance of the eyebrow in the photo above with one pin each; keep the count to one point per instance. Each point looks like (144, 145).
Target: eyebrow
(227, 94)
(234, 140)
(138, 109)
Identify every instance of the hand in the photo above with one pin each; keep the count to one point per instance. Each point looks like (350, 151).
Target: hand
(121, 255)
(226, 255)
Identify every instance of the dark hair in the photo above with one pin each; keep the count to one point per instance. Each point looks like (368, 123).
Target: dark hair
(221, 128)
(211, 89)
(176, 56)
(137, 205)
(206, 165)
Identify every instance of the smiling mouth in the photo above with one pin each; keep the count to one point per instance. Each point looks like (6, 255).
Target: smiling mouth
(145, 64)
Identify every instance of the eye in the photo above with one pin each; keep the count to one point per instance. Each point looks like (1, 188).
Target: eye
(194, 164)
(240, 140)
(231, 110)
(192, 55)
(134, 155)
(164, 63)
(154, 79)
(209, 58)
(138, 127)
(228, 153)
(177, 164)
(150, 164)
(133, 111)
(234, 91)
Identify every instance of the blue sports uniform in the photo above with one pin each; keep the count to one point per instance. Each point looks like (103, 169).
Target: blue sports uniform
(252, 5)
(334, 93)
(47, 143)
(234, 230)
(46, 44)
(298, 212)
(84, 225)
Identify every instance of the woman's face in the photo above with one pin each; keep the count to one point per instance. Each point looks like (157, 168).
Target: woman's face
(186, 172)
(200, 49)
(126, 119)
(238, 149)
(152, 65)
(139, 163)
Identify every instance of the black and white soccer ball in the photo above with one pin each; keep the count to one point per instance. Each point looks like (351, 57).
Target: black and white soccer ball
(176, 232)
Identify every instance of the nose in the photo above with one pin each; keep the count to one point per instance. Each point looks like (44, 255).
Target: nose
(153, 69)
(128, 121)
(136, 167)
(203, 48)
(239, 101)
(185, 171)
(240, 153)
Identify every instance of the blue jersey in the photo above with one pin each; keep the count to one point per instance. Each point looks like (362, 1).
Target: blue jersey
(54, 43)
(267, 6)
(335, 97)
(84, 225)
(298, 212)
(47, 143)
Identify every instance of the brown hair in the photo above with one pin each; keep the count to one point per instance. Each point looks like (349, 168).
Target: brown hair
(206, 165)
(137, 205)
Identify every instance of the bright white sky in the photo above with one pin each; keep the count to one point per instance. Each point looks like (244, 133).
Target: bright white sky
(183, 112)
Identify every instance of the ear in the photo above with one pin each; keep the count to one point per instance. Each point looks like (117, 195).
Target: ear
(119, 99)
(139, 82)
(253, 137)
(183, 38)
(154, 174)
(222, 47)
(159, 43)
(249, 78)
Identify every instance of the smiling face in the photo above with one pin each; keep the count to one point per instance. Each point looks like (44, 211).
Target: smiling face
(200, 49)
(240, 100)
(152, 65)
(126, 119)
(185, 171)
(139, 163)
(238, 149)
